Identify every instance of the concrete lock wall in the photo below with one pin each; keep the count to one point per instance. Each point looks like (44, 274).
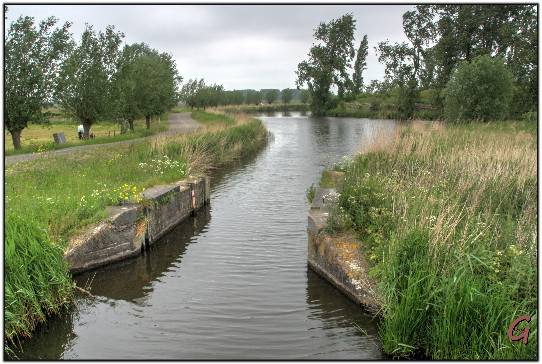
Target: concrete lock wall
(338, 258)
(130, 228)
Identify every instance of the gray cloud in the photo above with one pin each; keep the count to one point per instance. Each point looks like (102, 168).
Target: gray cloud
(239, 46)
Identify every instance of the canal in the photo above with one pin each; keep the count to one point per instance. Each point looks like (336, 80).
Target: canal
(233, 282)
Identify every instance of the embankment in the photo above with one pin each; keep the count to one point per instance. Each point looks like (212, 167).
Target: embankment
(338, 257)
(264, 108)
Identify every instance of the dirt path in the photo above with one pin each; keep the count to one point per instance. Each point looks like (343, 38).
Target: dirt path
(178, 123)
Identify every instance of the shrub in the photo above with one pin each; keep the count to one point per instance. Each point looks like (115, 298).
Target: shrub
(479, 90)
(530, 117)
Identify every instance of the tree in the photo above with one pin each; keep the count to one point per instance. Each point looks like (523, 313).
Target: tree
(405, 62)
(271, 95)
(32, 58)
(125, 85)
(253, 97)
(304, 96)
(328, 62)
(286, 95)
(157, 82)
(479, 90)
(360, 65)
(84, 88)
(462, 32)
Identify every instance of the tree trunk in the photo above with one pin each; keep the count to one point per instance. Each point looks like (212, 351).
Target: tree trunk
(16, 137)
(124, 127)
(86, 128)
(148, 121)
(131, 123)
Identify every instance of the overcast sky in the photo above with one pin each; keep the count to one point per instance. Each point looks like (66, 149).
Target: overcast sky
(239, 46)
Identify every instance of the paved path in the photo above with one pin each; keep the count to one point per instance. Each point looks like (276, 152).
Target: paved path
(178, 123)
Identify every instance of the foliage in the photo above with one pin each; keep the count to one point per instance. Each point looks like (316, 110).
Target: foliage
(360, 65)
(328, 62)
(84, 88)
(196, 94)
(271, 95)
(305, 96)
(32, 57)
(310, 193)
(286, 95)
(440, 37)
(479, 90)
(448, 218)
(144, 84)
(37, 282)
(264, 108)
(156, 81)
(253, 97)
(530, 117)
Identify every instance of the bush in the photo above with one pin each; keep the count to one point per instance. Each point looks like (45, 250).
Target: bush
(479, 90)
(530, 117)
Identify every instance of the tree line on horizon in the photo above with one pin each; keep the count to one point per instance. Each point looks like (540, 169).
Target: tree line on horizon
(475, 61)
(197, 94)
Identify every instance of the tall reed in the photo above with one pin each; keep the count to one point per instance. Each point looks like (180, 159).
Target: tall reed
(449, 215)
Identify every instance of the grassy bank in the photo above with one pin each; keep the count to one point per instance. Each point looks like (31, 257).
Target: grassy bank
(264, 108)
(448, 215)
(39, 138)
(49, 200)
(213, 119)
(383, 107)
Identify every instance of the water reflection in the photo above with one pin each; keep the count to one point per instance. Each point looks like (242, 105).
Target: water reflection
(234, 286)
(133, 277)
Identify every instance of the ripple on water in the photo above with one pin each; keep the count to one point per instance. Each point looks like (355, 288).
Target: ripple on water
(232, 283)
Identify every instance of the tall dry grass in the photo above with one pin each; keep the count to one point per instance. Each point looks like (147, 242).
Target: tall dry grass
(450, 216)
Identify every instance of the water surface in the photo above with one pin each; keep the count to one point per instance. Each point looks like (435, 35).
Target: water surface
(233, 282)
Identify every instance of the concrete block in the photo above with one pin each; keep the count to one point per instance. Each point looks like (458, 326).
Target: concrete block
(317, 221)
(323, 198)
(165, 207)
(120, 236)
(128, 228)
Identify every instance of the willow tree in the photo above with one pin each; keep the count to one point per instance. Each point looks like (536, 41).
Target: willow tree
(124, 89)
(286, 95)
(157, 81)
(84, 89)
(328, 62)
(31, 60)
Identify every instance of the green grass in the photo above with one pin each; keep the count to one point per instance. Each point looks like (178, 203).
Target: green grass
(264, 108)
(49, 200)
(39, 138)
(212, 119)
(448, 215)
